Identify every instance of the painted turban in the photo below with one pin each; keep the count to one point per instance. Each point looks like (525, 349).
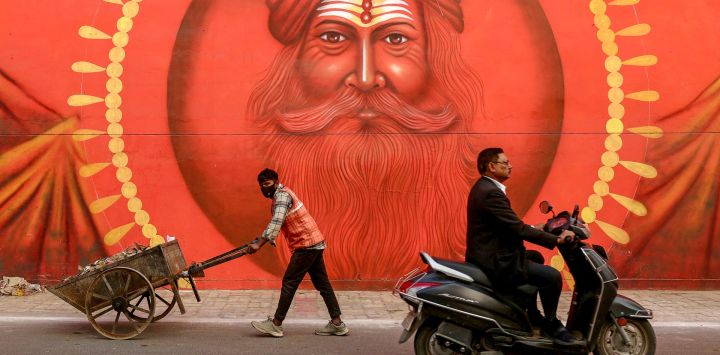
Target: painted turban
(288, 18)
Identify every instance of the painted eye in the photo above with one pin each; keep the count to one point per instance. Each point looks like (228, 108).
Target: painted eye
(332, 37)
(395, 39)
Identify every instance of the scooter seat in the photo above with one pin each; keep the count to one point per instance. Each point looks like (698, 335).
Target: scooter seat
(527, 289)
(471, 270)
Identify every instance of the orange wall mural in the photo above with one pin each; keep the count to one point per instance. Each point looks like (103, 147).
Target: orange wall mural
(126, 121)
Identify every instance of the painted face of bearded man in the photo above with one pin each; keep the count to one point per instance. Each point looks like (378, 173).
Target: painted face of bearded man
(367, 104)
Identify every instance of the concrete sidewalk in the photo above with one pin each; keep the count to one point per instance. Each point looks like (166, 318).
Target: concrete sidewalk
(677, 308)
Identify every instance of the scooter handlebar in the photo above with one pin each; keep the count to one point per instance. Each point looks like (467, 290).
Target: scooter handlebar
(581, 232)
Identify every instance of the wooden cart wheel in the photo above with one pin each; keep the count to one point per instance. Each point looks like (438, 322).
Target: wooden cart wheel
(166, 299)
(112, 296)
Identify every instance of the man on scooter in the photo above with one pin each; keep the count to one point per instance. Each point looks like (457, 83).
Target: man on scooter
(495, 236)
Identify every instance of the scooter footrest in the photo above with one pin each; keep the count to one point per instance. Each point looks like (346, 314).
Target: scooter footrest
(508, 332)
(502, 339)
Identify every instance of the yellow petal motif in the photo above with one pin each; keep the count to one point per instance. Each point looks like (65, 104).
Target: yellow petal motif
(86, 134)
(636, 207)
(642, 61)
(640, 29)
(102, 204)
(647, 131)
(86, 67)
(83, 100)
(617, 2)
(615, 233)
(646, 96)
(92, 169)
(90, 32)
(117, 233)
(644, 170)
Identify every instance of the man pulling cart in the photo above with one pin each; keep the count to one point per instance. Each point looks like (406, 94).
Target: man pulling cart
(122, 296)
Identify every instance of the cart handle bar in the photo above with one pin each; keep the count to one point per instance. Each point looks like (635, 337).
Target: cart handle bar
(197, 268)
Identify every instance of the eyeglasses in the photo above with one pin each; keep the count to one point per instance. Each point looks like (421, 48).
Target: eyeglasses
(507, 162)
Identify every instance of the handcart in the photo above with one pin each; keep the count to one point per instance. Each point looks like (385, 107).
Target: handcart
(122, 298)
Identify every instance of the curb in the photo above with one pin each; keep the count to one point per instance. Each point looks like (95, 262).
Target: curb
(385, 323)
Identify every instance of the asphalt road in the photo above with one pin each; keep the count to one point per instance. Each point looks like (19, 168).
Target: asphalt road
(78, 337)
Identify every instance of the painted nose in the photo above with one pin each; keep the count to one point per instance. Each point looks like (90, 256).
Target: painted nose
(366, 77)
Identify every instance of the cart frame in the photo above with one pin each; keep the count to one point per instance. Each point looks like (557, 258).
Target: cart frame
(129, 287)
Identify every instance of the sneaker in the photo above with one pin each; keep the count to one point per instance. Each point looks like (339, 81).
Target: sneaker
(332, 329)
(268, 327)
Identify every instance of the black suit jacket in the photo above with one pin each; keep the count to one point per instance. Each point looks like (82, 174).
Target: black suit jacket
(495, 236)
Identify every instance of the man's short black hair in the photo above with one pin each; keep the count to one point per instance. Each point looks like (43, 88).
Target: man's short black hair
(267, 174)
(487, 156)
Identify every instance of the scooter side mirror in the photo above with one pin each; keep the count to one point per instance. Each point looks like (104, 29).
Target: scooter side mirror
(545, 207)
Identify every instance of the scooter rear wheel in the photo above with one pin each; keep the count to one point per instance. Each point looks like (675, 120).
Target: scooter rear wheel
(427, 344)
(640, 332)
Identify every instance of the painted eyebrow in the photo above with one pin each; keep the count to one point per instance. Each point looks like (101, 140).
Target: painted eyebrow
(380, 28)
(334, 22)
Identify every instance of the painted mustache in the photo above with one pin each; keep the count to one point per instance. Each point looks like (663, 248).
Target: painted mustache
(351, 103)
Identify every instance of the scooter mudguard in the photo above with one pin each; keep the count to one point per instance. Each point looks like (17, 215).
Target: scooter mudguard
(626, 307)
(408, 333)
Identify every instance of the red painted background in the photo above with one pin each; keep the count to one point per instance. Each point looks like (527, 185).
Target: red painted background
(549, 75)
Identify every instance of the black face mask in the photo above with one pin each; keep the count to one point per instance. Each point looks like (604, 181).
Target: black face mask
(268, 191)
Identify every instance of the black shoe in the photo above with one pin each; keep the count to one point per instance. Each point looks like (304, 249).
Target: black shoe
(561, 336)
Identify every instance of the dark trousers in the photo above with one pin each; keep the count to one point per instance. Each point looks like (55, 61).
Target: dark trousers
(549, 284)
(306, 261)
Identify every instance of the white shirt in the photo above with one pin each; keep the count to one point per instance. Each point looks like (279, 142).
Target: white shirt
(497, 183)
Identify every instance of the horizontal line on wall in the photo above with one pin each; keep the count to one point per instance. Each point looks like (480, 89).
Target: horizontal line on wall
(603, 133)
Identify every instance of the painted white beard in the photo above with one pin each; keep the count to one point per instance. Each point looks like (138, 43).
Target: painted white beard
(380, 196)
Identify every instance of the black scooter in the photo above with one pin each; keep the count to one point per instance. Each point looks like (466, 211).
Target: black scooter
(454, 309)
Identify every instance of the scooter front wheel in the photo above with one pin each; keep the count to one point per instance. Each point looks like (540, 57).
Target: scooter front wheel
(640, 333)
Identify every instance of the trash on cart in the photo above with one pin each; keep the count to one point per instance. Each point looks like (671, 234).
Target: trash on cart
(102, 262)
